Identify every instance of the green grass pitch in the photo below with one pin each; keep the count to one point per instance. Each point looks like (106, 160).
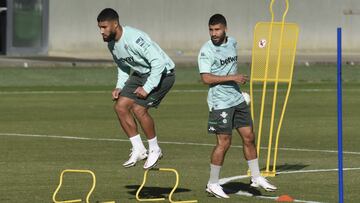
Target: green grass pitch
(58, 118)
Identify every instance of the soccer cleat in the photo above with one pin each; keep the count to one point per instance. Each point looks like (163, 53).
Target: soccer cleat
(152, 159)
(216, 190)
(262, 182)
(135, 156)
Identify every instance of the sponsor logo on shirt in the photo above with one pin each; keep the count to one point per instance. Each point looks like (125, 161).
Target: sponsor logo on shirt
(127, 59)
(228, 60)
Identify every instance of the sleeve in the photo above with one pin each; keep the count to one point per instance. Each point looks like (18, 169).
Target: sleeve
(153, 54)
(123, 75)
(205, 61)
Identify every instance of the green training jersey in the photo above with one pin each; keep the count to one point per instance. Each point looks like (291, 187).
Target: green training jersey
(136, 51)
(221, 60)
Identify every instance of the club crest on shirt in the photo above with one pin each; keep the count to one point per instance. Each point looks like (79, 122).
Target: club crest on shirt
(223, 114)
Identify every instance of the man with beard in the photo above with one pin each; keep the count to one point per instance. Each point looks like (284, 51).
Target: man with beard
(145, 76)
(228, 110)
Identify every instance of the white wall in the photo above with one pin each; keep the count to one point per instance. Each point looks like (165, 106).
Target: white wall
(182, 24)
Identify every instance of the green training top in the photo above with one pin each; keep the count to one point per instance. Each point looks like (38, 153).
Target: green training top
(135, 50)
(221, 60)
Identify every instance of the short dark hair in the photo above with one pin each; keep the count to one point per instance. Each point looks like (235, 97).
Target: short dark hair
(217, 19)
(108, 14)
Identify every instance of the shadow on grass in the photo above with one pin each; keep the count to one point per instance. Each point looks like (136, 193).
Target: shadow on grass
(154, 192)
(288, 167)
(247, 190)
(234, 187)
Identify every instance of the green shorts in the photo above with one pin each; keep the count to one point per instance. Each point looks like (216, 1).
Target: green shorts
(155, 96)
(223, 121)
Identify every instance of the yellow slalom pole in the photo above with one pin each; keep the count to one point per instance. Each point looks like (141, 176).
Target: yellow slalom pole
(275, 90)
(284, 107)
(278, 129)
(265, 80)
(61, 181)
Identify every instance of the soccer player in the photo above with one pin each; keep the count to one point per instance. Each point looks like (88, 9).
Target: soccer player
(217, 62)
(145, 76)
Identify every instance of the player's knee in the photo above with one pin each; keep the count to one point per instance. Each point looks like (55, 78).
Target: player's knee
(249, 139)
(121, 109)
(227, 146)
(224, 145)
(139, 111)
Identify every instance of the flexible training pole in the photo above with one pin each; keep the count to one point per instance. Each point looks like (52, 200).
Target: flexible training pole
(339, 108)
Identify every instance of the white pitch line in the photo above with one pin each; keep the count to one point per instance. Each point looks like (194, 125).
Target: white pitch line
(172, 91)
(281, 90)
(228, 179)
(85, 92)
(223, 181)
(316, 170)
(314, 150)
(63, 137)
(247, 194)
(187, 91)
(55, 92)
(163, 142)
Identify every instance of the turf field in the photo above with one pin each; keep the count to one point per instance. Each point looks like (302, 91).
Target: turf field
(58, 118)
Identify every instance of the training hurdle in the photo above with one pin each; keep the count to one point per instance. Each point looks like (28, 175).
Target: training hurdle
(273, 56)
(61, 181)
(172, 191)
(76, 200)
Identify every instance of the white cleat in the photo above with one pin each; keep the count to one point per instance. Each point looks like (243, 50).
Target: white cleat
(135, 156)
(216, 190)
(262, 182)
(152, 159)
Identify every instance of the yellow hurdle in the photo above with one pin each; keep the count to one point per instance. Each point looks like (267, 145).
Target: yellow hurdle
(171, 193)
(61, 180)
(273, 57)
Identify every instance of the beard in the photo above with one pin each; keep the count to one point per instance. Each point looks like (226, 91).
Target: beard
(110, 38)
(220, 40)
